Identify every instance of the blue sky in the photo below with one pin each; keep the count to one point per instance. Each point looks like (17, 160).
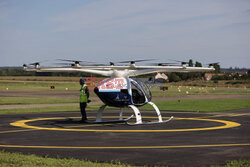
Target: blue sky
(113, 30)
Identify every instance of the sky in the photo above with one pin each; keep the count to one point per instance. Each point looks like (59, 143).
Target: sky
(113, 30)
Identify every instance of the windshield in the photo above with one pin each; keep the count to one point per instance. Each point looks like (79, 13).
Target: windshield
(145, 89)
(138, 96)
(139, 91)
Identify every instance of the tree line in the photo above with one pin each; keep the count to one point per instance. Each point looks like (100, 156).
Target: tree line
(20, 72)
(175, 76)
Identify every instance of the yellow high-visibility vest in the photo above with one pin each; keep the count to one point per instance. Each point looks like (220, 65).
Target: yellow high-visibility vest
(83, 95)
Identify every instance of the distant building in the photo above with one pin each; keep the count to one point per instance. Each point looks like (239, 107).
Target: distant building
(234, 75)
(209, 76)
(239, 73)
(160, 77)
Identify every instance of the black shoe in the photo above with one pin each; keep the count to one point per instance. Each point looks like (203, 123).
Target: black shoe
(84, 120)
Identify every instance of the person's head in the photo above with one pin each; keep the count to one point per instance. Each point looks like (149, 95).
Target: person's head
(82, 81)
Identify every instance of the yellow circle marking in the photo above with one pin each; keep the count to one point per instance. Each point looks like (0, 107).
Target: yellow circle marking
(13, 131)
(227, 124)
(128, 147)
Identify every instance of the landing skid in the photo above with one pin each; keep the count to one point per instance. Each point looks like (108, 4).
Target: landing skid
(111, 121)
(150, 123)
(137, 115)
(139, 118)
(100, 121)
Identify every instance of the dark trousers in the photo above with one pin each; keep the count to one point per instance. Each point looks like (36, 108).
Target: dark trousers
(83, 112)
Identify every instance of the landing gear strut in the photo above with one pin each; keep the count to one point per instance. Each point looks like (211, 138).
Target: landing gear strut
(99, 117)
(137, 114)
(139, 119)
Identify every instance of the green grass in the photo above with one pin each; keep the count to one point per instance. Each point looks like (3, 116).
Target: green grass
(202, 105)
(234, 163)
(221, 83)
(19, 160)
(174, 91)
(38, 110)
(173, 105)
(45, 109)
(28, 100)
(39, 78)
(72, 83)
(38, 85)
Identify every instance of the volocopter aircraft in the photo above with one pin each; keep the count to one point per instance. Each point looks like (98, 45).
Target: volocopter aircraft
(119, 89)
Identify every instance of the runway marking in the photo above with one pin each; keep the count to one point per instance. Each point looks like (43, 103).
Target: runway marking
(91, 125)
(13, 131)
(227, 124)
(225, 115)
(129, 147)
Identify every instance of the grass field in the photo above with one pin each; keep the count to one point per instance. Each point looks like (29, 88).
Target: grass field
(240, 163)
(29, 100)
(172, 105)
(15, 159)
(202, 105)
(187, 90)
(38, 85)
(174, 89)
(67, 83)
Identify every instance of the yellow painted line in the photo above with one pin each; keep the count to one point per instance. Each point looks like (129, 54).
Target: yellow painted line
(91, 125)
(215, 116)
(128, 147)
(227, 124)
(13, 131)
(225, 115)
(236, 115)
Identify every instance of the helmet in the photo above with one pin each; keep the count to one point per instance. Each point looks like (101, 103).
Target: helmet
(82, 80)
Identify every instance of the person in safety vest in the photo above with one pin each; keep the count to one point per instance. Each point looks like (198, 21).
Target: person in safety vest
(84, 95)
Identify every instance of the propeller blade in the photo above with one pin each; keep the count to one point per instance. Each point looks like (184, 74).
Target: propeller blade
(70, 64)
(212, 64)
(182, 62)
(75, 61)
(163, 64)
(69, 60)
(97, 64)
(179, 61)
(133, 61)
(34, 64)
(65, 64)
(38, 62)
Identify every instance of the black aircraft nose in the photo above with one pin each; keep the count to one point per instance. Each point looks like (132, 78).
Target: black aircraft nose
(96, 90)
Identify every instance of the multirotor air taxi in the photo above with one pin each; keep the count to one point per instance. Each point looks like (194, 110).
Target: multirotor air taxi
(119, 90)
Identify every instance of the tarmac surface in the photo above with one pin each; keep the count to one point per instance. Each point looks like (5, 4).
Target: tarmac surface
(190, 139)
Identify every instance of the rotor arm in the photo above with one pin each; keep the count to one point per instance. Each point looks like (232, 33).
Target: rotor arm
(63, 69)
(118, 71)
(142, 70)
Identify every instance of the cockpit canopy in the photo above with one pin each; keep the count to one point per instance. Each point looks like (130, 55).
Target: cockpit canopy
(141, 94)
(121, 92)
